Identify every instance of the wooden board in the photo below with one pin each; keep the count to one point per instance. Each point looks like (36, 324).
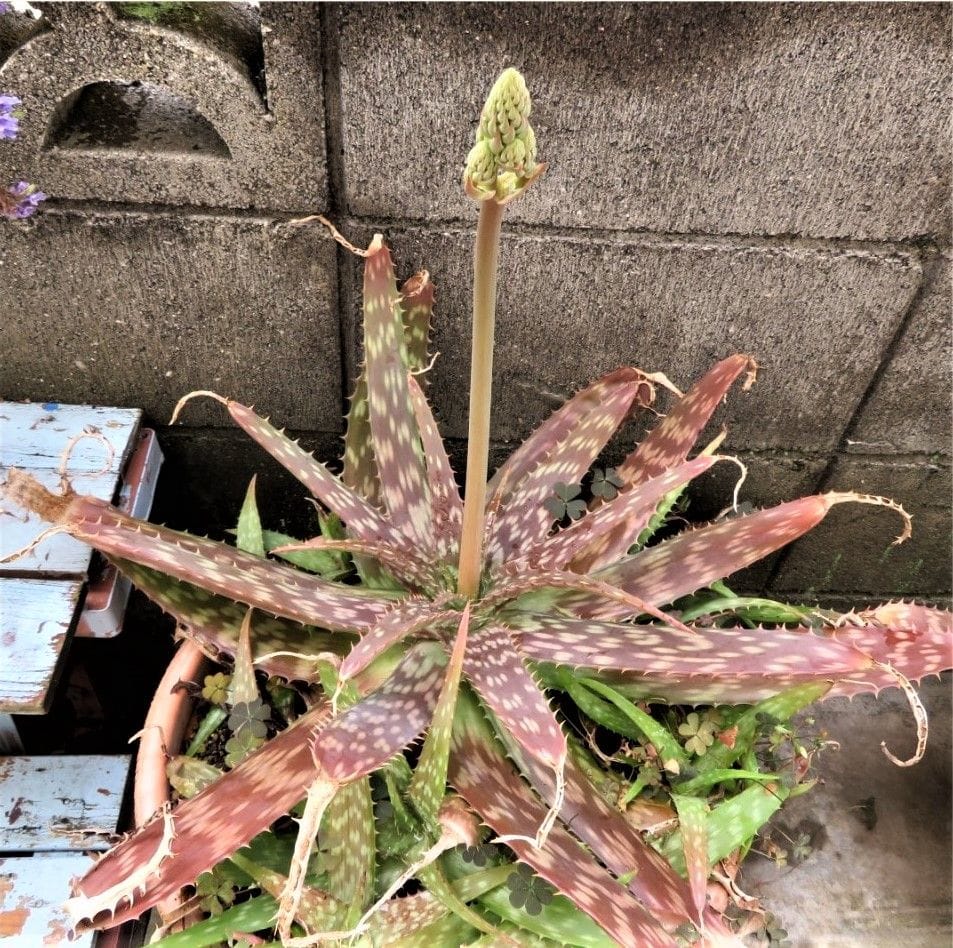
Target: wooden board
(33, 437)
(36, 619)
(34, 434)
(32, 892)
(61, 803)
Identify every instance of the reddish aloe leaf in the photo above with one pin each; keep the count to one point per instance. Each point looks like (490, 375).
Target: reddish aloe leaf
(614, 841)
(404, 566)
(483, 776)
(363, 521)
(279, 646)
(447, 506)
(915, 640)
(736, 664)
(207, 829)
(540, 444)
(666, 446)
(280, 590)
(570, 450)
(360, 468)
(400, 466)
(692, 560)
(355, 744)
(496, 671)
(670, 441)
(429, 782)
(367, 735)
(406, 618)
(693, 822)
(633, 507)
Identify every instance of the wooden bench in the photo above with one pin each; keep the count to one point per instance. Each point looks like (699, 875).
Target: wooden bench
(55, 810)
(42, 591)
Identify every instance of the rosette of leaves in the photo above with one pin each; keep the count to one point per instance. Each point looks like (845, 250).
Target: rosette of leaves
(426, 645)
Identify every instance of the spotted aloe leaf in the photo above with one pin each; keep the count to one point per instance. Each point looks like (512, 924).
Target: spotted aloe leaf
(489, 783)
(395, 435)
(706, 665)
(355, 744)
(633, 507)
(428, 784)
(205, 830)
(540, 444)
(360, 468)
(496, 671)
(730, 824)
(447, 506)
(279, 646)
(216, 567)
(363, 520)
(584, 426)
(249, 535)
(692, 560)
(243, 687)
(605, 830)
(693, 825)
(409, 569)
(664, 448)
(348, 840)
(406, 618)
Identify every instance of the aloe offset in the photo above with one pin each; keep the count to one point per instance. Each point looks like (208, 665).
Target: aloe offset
(468, 616)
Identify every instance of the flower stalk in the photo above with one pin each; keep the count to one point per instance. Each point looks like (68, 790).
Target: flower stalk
(500, 167)
(485, 261)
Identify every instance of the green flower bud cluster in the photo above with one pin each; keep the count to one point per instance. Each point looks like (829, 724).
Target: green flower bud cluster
(502, 163)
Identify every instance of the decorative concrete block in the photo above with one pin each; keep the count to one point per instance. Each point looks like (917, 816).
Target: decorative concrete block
(910, 408)
(199, 104)
(851, 551)
(820, 120)
(817, 319)
(138, 310)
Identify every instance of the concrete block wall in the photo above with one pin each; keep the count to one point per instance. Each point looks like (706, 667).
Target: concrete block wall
(763, 178)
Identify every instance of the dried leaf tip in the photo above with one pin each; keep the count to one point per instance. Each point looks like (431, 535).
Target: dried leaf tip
(502, 164)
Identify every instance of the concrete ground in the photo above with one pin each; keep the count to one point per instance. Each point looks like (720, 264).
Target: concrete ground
(879, 873)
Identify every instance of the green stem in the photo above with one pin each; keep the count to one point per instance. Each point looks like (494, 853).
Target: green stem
(485, 257)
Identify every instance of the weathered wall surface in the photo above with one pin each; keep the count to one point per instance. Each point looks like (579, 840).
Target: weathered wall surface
(763, 178)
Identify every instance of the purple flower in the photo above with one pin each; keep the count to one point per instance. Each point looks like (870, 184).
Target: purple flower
(9, 119)
(20, 200)
(4, 7)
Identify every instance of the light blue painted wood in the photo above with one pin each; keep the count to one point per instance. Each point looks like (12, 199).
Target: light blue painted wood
(34, 434)
(32, 893)
(36, 620)
(33, 437)
(61, 803)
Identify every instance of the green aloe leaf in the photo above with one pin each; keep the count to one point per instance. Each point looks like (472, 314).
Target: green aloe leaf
(248, 536)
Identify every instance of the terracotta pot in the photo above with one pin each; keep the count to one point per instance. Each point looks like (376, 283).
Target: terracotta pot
(161, 738)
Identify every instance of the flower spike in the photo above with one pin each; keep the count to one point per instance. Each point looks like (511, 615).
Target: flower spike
(502, 164)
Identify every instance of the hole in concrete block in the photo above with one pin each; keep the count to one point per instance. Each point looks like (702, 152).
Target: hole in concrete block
(233, 30)
(17, 29)
(133, 116)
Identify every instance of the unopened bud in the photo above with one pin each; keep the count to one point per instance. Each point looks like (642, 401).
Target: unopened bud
(502, 164)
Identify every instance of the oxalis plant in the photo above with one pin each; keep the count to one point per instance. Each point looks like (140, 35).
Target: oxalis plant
(416, 616)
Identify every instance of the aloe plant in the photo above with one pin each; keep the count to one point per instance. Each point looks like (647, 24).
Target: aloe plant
(464, 618)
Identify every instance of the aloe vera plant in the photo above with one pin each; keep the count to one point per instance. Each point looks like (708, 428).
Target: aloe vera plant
(464, 619)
